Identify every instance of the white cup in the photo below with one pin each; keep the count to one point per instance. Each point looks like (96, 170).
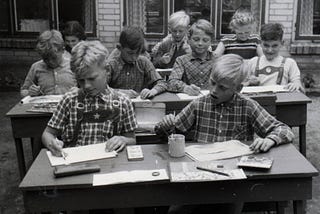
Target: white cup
(176, 145)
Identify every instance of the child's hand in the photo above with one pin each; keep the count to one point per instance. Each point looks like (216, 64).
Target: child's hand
(262, 144)
(56, 146)
(191, 90)
(293, 86)
(116, 143)
(167, 122)
(147, 93)
(129, 93)
(253, 81)
(166, 58)
(34, 90)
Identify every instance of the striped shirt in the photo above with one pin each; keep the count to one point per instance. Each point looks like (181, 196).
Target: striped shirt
(190, 70)
(65, 119)
(237, 119)
(247, 49)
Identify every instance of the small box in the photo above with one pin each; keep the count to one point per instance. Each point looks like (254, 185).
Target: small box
(255, 162)
(134, 153)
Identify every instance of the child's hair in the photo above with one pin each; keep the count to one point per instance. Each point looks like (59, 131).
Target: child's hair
(50, 41)
(203, 25)
(271, 31)
(230, 67)
(86, 54)
(241, 17)
(132, 37)
(179, 18)
(74, 28)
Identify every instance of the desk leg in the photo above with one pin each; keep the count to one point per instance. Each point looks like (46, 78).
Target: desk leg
(20, 157)
(302, 140)
(299, 207)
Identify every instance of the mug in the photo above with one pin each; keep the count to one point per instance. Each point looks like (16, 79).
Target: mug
(176, 145)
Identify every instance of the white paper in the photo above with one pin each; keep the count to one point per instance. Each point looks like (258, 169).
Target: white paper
(262, 89)
(42, 99)
(81, 154)
(218, 150)
(139, 100)
(184, 96)
(129, 177)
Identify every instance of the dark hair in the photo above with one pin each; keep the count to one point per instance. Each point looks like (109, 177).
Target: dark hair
(132, 37)
(74, 28)
(271, 31)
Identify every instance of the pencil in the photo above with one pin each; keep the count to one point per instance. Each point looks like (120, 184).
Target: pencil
(39, 86)
(213, 171)
(63, 155)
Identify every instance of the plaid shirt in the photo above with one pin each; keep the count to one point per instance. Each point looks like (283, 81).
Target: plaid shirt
(65, 117)
(239, 119)
(190, 70)
(137, 76)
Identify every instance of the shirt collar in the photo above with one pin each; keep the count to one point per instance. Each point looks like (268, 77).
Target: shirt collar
(207, 58)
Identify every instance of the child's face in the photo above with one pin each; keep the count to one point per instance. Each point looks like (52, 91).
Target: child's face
(271, 48)
(53, 59)
(243, 32)
(178, 33)
(93, 81)
(221, 91)
(199, 42)
(128, 55)
(71, 41)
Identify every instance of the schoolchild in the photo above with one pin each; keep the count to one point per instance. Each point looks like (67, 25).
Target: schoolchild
(73, 33)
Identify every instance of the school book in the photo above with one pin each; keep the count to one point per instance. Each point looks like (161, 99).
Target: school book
(43, 107)
(42, 99)
(255, 162)
(203, 171)
(263, 89)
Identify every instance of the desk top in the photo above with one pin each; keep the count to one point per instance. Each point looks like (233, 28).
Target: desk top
(40, 175)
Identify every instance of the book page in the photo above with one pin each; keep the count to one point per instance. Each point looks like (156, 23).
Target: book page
(263, 89)
(42, 99)
(81, 154)
(129, 177)
(184, 96)
(218, 150)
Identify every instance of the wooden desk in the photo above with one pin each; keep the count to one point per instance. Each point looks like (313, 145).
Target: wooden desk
(291, 108)
(290, 178)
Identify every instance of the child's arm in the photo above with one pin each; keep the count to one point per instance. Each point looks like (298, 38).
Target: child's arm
(219, 50)
(29, 87)
(294, 80)
(50, 141)
(175, 83)
(162, 55)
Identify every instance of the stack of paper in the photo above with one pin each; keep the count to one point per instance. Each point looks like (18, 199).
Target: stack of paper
(218, 151)
(42, 99)
(184, 96)
(263, 89)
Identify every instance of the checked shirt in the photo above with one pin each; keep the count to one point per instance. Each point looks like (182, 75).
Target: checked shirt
(94, 128)
(237, 119)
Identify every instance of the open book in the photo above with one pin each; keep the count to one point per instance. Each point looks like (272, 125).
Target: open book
(184, 96)
(263, 89)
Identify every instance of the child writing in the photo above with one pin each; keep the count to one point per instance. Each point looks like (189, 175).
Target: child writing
(72, 33)
(175, 44)
(95, 113)
(132, 72)
(191, 72)
(272, 68)
(52, 74)
(243, 42)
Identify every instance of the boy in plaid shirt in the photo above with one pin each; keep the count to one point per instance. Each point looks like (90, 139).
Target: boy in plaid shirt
(95, 113)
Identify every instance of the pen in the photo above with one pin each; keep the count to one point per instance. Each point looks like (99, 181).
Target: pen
(213, 171)
(63, 155)
(41, 92)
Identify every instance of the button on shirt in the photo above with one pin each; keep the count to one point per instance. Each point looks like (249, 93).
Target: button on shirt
(51, 81)
(190, 70)
(237, 119)
(93, 130)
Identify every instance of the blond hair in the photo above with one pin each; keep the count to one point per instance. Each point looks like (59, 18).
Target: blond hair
(86, 54)
(231, 68)
(240, 18)
(203, 25)
(177, 19)
(49, 41)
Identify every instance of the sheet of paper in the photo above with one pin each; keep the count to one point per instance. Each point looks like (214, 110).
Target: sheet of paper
(81, 154)
(218, 150)
(139, 100)
(42, 99)
(263, 89)
(129, 177)
(184, 96)
(187, 172)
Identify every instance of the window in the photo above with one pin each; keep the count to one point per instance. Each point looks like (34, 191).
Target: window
(308, 20)
(33, 16)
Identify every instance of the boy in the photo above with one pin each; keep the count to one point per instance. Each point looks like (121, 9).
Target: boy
(175, 44)
(224, 114)
(191, 72)
(52, 74)
(95, 113)
(131, 71)
(272, 68)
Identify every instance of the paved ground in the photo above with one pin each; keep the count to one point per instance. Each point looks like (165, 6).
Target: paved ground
(11, 201)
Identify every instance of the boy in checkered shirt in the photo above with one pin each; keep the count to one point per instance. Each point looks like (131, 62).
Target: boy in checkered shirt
(95, 113)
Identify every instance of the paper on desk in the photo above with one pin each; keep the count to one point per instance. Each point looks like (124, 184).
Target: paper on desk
(263, 89)
(218, 150)
(129, 177)
(139, 100)
(184, 96)
(81, 154)
(42, 99)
